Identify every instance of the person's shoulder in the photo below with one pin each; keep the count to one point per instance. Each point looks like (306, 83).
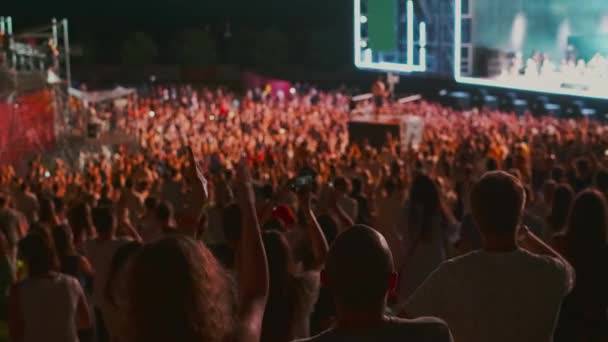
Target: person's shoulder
(324, 336)
(423, 328)
(544, 266)
(462, 260)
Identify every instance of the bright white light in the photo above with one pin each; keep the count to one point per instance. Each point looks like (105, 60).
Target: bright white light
(563, 32)
(364, 44)
(292, 91)
(422, 28)
(518, 31)
(457, 37)
(363, 19)
(211, 117)
(604, 24)
(410, 32)
(151, 114)
(281, 130)
(599, 92)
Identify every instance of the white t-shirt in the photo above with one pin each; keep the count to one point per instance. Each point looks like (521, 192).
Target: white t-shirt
(495, 297)
(100, 254)
(49, 306)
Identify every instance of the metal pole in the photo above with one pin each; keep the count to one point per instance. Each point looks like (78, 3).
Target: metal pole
(9, 24)
(56, 42)
(66, 41)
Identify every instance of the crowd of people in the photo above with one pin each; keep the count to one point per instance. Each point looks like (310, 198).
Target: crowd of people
(571, 70)
(254, 218)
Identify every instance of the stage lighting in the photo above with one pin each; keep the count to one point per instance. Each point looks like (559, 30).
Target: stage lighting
(363, 19)
(151, 114)
(292, 91)
(212, 117)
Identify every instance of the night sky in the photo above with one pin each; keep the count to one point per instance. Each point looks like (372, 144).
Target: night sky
(106, 22)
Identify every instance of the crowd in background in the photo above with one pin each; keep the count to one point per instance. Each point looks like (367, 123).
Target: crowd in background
(219, 226)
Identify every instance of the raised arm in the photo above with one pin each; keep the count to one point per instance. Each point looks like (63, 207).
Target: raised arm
(252, 265)
(317, 238)
(335, 207)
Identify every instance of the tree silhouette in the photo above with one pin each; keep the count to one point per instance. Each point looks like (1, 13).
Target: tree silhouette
(139, 49)
(195, 47)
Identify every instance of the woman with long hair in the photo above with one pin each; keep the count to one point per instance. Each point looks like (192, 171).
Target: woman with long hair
(81, 223)
(560, 208)
(292, 294)
(47, 215)
(583, 315)
(177, 291)
(426, 231)
(46, 305)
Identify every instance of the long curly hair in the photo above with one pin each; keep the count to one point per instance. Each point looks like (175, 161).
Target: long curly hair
(177, 291)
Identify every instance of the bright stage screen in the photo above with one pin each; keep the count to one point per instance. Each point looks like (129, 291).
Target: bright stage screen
(389, 36)
(550, 46)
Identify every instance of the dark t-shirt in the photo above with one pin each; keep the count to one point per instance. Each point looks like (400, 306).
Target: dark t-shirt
(426, 329)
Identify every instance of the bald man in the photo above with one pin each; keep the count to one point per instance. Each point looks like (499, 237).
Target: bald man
(360, 274)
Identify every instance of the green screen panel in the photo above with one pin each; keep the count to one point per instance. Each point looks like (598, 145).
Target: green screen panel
(382, 25)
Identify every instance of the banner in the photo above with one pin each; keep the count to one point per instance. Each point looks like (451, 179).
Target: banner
(26, 127)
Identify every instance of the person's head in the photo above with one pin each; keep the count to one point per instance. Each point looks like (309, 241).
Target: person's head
(64, 240)
(357, 186)
(105, 191)
(164, 213)
(151, 203)
(115, 282)
(560, 207)
(583, 168)
(341, 185)
(177, 291)
(80, 219)
(59, 204)
(38, 253)
(47, 210)
(491, 164)
(3, 201)
(497, 203)
(424, 193)
(558, 174)
(601, 181)
(549, 188)
(359, 270)
(587, 224)
(104, 221)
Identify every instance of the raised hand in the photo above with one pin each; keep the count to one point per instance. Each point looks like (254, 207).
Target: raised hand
(245, 192)
(195, 175)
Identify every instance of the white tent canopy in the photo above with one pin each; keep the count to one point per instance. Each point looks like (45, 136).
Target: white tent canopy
(102, 95)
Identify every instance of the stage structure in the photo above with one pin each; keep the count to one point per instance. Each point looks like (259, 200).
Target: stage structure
(389, 36)
(547, 46)
(35, 75)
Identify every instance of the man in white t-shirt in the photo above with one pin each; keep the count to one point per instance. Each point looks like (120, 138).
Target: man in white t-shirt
(512, 289)
(100, 253)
